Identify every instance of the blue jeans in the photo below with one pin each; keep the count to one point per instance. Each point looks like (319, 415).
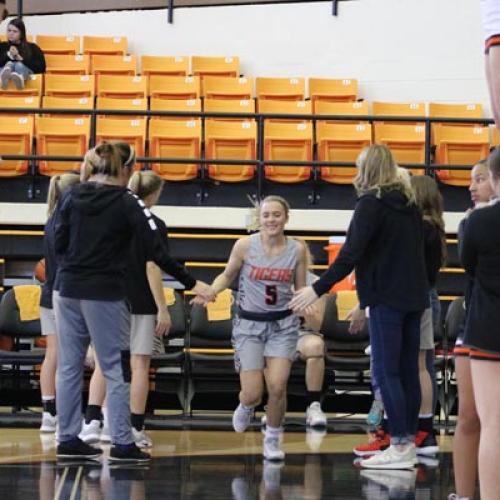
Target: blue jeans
(19, 68)
(395, 341)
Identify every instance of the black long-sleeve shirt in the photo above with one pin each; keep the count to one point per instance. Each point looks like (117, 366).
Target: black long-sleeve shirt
(138, 290)
(94, 230)
(32, 55)
(384, 245)
(433, 252)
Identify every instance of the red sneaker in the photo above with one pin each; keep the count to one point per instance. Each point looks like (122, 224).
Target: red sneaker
(426, 444)
(381, 442)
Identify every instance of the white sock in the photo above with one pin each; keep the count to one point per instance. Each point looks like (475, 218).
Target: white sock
(273, 432)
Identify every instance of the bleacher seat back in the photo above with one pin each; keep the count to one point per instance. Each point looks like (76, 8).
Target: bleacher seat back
(178, 316)
(336, 331)
(10, 319)
(210, 334)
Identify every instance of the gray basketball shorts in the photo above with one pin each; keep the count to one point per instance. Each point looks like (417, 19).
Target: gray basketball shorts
(426, 330)
(48, 321)
(142, 331)
(253, 341)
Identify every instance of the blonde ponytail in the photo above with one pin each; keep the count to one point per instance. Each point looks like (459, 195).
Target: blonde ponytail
(59, 184)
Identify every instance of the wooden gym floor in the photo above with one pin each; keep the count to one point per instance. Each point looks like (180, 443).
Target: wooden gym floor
(200, 464)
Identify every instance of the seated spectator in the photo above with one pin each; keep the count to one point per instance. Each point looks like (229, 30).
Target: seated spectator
(19, 58)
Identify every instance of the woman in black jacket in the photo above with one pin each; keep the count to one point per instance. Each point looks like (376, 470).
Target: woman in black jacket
(384, 245)
(480, 254)
(19, 58)
(96, 222)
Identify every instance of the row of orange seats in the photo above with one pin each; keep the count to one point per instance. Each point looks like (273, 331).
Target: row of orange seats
(236, 140)
(180, 87)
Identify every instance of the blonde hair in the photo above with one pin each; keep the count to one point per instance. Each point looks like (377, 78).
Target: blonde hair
(430, 202)
(108, 158)
(59, 184)
(145, 183)
(253, 221)
(377, 171)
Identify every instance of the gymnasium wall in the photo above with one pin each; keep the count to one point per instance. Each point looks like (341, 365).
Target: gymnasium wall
(400, 50)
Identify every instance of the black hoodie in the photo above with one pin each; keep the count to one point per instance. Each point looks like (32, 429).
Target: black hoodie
(385, 246)
(94, 230)
(31, 53)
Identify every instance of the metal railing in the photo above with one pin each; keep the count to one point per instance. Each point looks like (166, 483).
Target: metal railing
(260, 162)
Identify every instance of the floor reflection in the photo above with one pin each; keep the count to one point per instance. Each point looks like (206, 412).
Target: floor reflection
(236, 477)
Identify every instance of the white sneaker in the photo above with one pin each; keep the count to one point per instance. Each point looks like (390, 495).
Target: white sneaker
(315, 416)
(242, 418)
(49, 422)
(142, 440)
(272, 449)
(91, 432)
(5, 76)
(391, 458)
(18, 80)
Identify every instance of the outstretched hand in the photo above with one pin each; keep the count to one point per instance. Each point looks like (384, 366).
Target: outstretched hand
(204, 294)
(303, 300)
(357, 318)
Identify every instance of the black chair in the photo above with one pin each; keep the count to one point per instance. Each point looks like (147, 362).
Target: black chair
(211, 358)
(454, 325)
(346, 363)
(18, 366)
(169, 373)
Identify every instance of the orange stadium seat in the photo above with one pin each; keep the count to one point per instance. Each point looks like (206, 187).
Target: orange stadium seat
(165, 65)
(52, 44)
(187, 105)
(341, 142)
(332, 90)
(9, 101)
(174, 87)
(410, 109)
(288, 89)
(61, 137)
(215, 66)
(175, 139)
(459, 146)
(406, 141)
(16, 138)
(288, 141)
(113, 65)
(268, 106)
(131, 131)
(218, 87)
(353, 108)
(76, 103)
(495, 136)
(32, 86)
(122, 104)
(229, 106)
(67, 64)
(122, 86)
(437, 110)
(70, 85)
(230, 141)
(105, 45)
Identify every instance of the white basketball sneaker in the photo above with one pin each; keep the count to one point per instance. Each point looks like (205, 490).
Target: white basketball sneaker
(49, 422)
(141, 439)
(242, 418)
(272, 449)
(91, 432)
(315, 416)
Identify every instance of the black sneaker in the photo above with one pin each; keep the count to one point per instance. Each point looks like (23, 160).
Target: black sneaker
(76, 448)
(128, 453)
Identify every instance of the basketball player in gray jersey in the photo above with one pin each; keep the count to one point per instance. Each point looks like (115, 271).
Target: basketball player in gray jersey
(265, 331)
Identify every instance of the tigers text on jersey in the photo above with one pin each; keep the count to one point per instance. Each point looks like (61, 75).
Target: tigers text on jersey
(266, 283)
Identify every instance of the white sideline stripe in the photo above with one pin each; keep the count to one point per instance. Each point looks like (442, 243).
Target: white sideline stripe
(214, 217)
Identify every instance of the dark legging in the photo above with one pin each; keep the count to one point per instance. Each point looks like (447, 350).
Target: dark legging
(395, 341)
